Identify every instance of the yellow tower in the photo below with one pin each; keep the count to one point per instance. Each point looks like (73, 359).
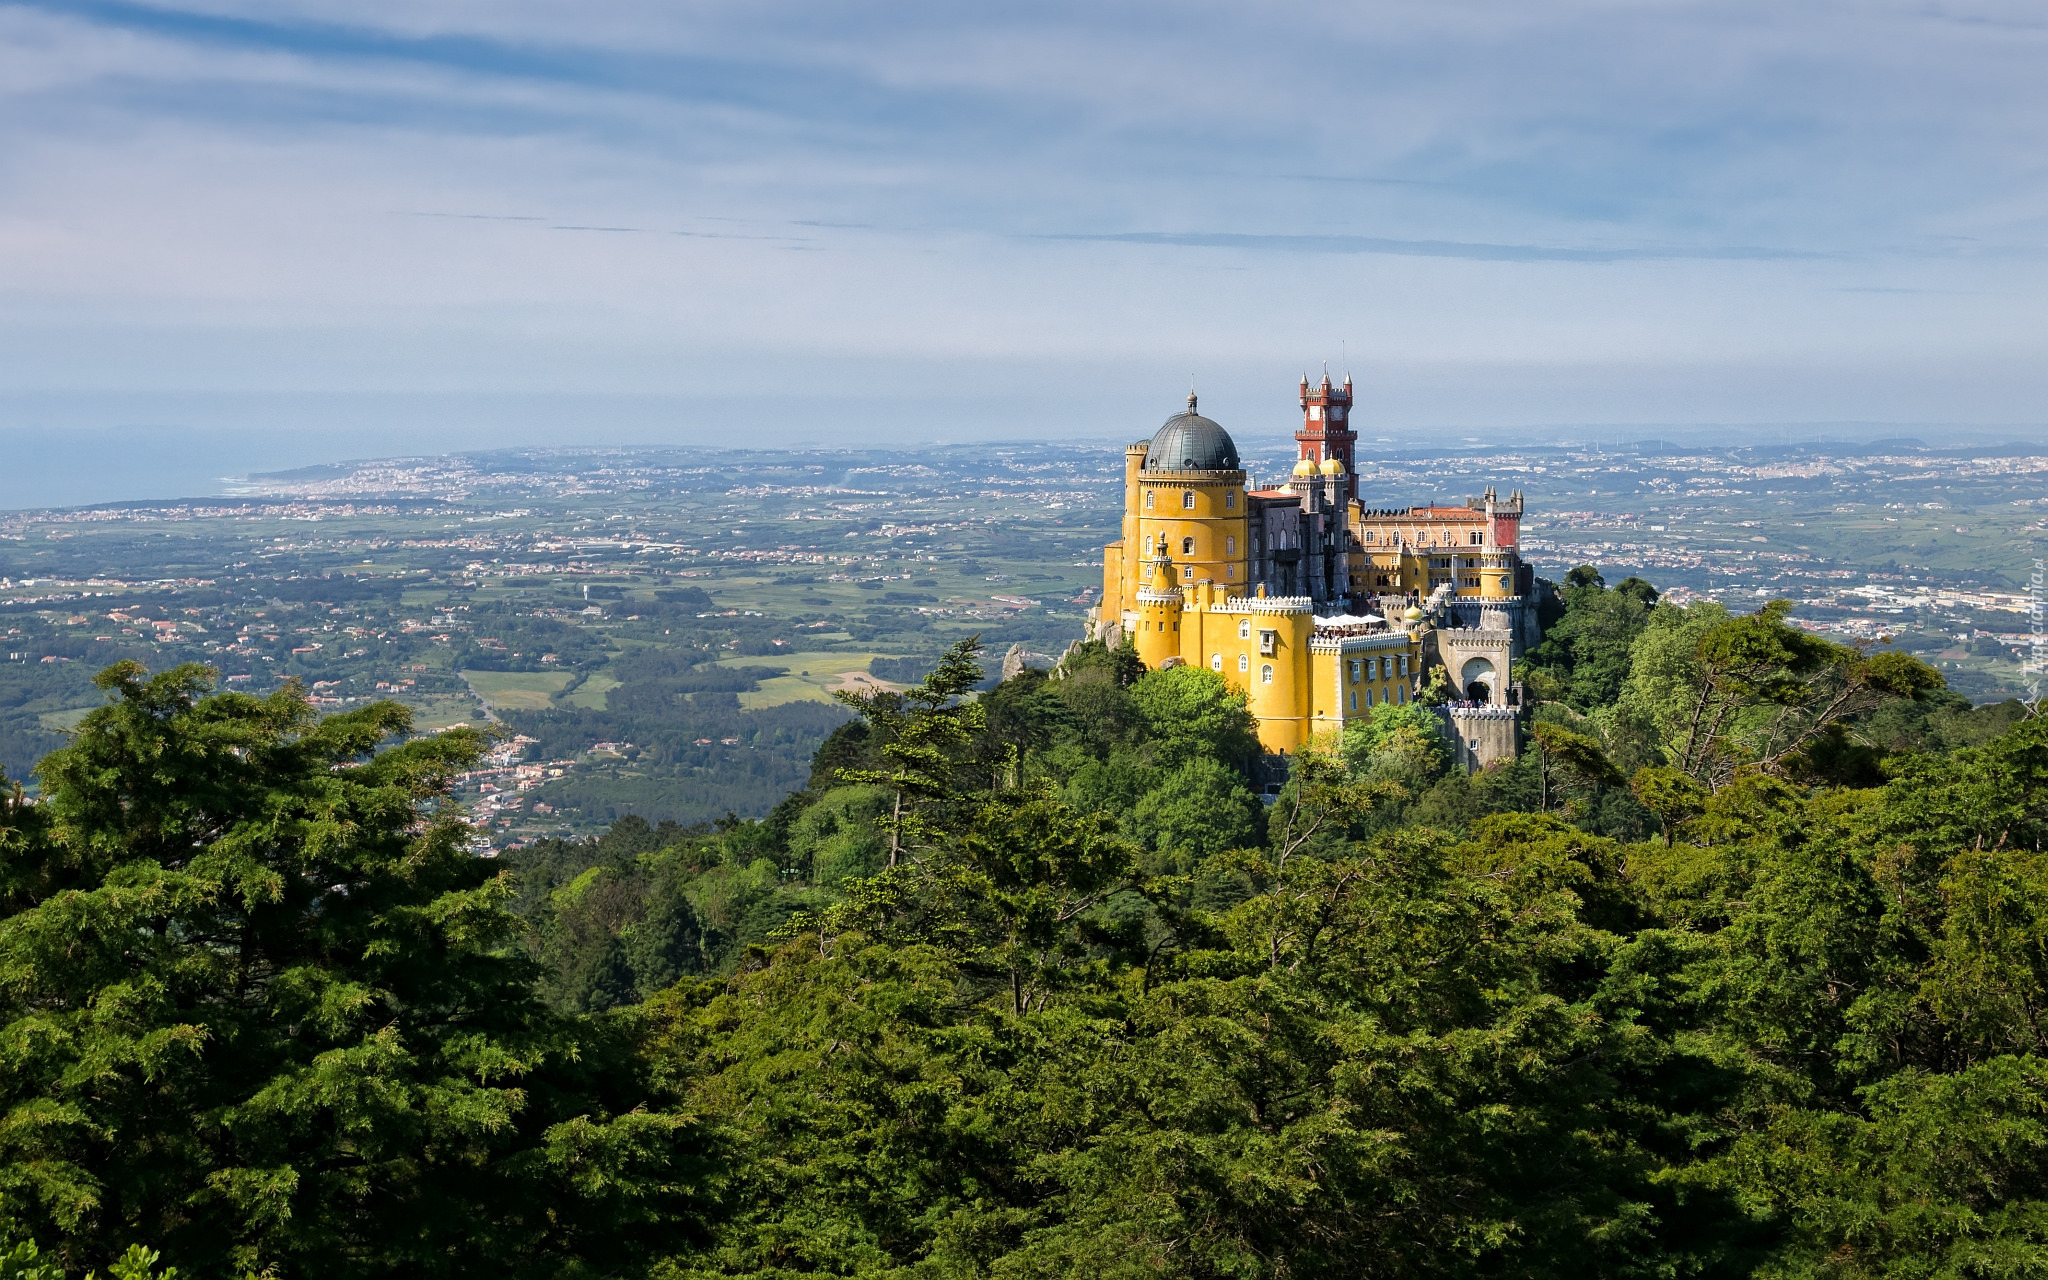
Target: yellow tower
(1123, 560)
(1159, 615)
(1276, 675)
(1497, 563)
(1187, 487)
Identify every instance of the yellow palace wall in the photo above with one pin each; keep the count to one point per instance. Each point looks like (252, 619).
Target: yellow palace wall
(1295, 685)
(1408, 550)
(1488, 576)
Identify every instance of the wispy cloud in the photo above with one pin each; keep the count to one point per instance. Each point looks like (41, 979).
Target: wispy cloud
(1476, 252)
(545, 194)
(545, 224)
(474, 217)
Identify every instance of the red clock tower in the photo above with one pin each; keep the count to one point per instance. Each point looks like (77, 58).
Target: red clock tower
(1326, 431)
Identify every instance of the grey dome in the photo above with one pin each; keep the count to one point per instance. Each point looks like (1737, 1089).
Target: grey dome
(1190, 442)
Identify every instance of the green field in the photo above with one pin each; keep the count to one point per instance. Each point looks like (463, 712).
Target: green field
(517, 690)
(442, 711)
(62, 721)
(811, 677)
(590, 694)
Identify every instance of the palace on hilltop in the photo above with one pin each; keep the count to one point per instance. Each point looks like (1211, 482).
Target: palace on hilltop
(1318, 607)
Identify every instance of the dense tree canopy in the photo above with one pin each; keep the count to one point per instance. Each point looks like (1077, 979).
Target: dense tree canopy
(260, 1012)
(1740, 970)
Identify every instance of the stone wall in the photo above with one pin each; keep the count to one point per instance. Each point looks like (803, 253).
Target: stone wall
(1481, 735)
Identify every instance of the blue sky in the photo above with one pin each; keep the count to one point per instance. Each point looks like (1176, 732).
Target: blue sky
(776, 220)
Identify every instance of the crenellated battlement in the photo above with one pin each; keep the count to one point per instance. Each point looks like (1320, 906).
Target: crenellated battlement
(1269, 604)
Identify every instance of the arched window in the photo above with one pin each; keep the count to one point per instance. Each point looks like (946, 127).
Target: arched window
(1244, 662)
(1230, 499)
(1188, 572)
(1148, 499)
(1230, 545)
(1215, 662)
(1244, 628)
(1187, 499)
(1187, 546)
(1266, 673)
(1354, 699)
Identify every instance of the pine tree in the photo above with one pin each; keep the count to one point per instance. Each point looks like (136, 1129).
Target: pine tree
(259, 1010)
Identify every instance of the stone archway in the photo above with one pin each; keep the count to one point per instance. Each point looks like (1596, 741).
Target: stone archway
(1477, 679)
(1469, 656)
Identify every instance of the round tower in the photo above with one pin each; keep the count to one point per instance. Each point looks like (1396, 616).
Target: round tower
(1304, 482)
(1159, 610)
(1277, 671)
(1134, 544)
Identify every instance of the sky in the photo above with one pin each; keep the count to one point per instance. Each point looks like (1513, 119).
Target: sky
(252, 234)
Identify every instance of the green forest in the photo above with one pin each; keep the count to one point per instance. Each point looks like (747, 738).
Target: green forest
(1741, 969)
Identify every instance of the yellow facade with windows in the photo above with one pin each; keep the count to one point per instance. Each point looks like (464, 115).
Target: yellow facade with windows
(1195, 517)
(1297, 682)
(1472, 549)
(1474, 577)
(1351, 676)
(1199, 517)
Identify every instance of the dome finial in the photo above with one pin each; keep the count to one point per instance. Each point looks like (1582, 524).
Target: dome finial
(1191, 399)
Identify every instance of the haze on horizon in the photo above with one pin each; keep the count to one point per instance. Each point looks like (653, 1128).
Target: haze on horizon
(345, 229)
